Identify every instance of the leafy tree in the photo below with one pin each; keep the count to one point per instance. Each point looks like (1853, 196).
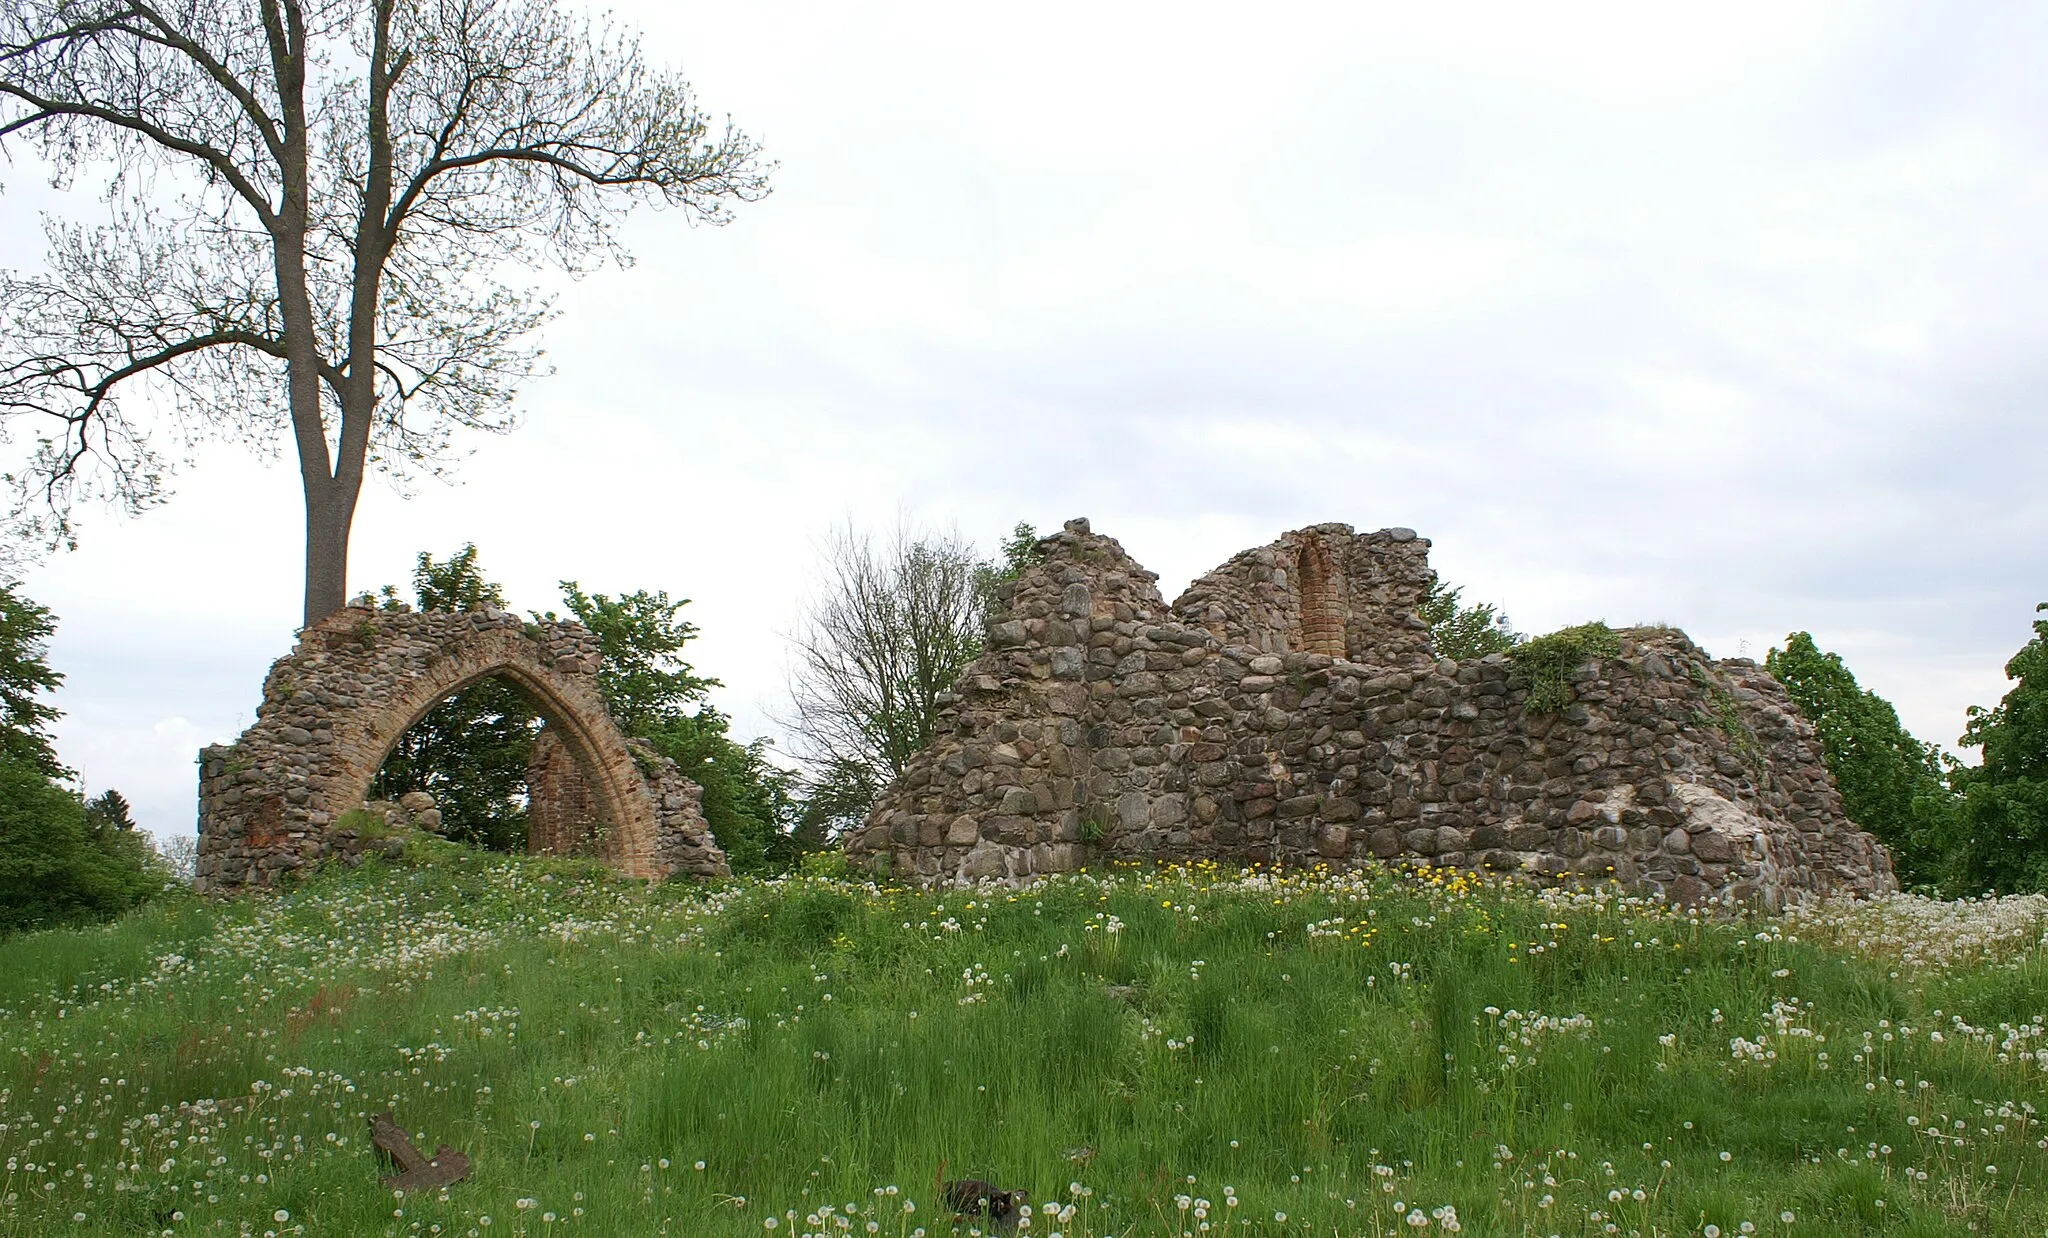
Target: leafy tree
(352, 176)
(893, 632)
(62, 861)
(2005, 798)
(872, 680)
(1015, 553)
(640, 636)
(897, 622)
(750, 803)
(1892, 784)
(836, 795)
(453, 584)
(839, 788)
(653, 694)
(2014, 735)
(109, 809)
(470, 751)
(58, 863)
(25, 630)
(1459, 631)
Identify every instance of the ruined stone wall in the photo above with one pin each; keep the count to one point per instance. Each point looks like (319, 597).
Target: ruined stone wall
(1098, 727)
(562, 816)
(275, 799)
(565, 817)
(683, 842)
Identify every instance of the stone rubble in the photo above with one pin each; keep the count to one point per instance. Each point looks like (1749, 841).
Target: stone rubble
(1289, 710)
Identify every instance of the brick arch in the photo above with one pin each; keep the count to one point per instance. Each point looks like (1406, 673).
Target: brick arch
(573, 713)
(1323, 612)
(333, 709)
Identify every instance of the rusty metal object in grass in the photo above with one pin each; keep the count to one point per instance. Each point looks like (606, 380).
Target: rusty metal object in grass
(416, 1169)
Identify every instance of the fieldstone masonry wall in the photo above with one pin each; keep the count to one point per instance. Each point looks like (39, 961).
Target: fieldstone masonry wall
(275, 799)
(1101, 724)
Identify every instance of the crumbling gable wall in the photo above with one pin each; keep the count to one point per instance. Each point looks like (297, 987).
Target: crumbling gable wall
(1100, 726)
(1324, 589)
(277, 799)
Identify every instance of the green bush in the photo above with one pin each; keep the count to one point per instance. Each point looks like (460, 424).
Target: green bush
(827, 866)
(1549, 662)
(366, 824)
(60, 865)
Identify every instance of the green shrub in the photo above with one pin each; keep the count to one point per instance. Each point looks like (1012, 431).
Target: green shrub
(827, 865)
(58, 864)
(1548, 662)
(366, 824)
(1464, 632)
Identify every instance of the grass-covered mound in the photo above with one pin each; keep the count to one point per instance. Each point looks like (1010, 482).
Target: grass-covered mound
(1147, 1053)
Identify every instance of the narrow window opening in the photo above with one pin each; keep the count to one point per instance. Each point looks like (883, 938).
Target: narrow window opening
(1322, 599)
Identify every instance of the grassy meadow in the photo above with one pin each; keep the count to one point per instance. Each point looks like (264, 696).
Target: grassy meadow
(1179, 1052)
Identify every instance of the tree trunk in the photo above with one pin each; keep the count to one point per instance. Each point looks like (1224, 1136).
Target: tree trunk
(330, 511)
(331, 497)
(330, 491)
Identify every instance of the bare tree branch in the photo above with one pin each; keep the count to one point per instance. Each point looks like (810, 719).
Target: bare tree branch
(44, 109)
(894, 625)
(322, 193)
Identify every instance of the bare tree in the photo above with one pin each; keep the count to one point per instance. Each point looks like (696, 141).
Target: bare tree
(180, 854)
(313, 197)
(893, 626)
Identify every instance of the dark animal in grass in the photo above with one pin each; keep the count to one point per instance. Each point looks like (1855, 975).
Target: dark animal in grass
(972, 1197)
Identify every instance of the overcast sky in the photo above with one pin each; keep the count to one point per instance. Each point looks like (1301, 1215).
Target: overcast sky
(1732, 320)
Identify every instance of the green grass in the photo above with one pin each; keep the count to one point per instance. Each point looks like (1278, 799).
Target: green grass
(1347, 1051)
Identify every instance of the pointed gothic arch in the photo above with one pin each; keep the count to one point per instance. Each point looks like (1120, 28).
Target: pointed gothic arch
(277, 799)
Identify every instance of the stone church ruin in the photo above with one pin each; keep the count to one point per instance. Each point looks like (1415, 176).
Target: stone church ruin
(283, 796)
(1290, 709)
